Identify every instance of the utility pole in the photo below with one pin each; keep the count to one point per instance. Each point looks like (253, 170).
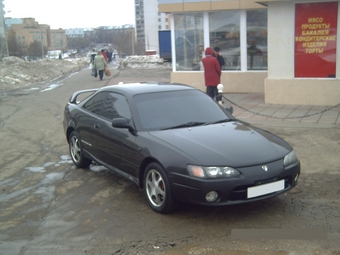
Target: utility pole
(133, 41)
(7, 50)
(5, 33)
(42, 45)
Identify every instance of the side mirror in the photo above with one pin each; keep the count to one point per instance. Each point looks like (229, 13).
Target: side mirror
(230, 109)
(122, 123)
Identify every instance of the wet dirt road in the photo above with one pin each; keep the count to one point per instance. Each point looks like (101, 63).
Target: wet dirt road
(47, 206)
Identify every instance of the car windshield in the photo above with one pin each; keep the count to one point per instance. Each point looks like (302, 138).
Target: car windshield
(177, 109)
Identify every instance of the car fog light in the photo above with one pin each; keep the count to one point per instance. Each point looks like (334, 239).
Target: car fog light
(296, 178)
(211, 196)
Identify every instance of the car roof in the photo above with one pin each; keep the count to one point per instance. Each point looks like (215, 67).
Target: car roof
(140, 88)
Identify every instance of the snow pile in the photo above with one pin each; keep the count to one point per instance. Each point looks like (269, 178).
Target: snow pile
(16, 73)
(151, 61)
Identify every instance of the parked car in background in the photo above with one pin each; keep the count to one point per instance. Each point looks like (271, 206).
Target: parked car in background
(177, 144)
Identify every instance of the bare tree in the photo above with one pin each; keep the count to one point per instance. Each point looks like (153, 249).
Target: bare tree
(104, 35)
(14, 49)
(78, 43)
(3, 47)
(123, 43)
(35, 49)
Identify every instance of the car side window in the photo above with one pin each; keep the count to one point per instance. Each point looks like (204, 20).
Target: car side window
(95, 104)
(116, 106)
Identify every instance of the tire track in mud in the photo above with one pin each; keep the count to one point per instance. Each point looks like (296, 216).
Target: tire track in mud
(26, 128)
(23, 151)
(9, 115)
(30, 111)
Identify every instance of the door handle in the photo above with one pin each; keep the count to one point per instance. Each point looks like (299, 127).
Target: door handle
(96, 126)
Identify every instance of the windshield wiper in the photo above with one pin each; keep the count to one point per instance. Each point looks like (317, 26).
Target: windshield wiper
(218, 121)
(189, 124)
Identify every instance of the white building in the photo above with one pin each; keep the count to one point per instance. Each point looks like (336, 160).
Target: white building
(74, 32)
(148, 22)
(12, 21)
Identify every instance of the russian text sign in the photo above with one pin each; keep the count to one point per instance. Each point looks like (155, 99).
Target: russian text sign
(315, 40)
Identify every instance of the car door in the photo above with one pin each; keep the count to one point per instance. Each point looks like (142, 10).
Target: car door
(117, 145)
(87, 124)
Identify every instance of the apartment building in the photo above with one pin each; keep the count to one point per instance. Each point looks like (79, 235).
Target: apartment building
(30, 31)
(75, 32)
(148, 22)
(57, 39)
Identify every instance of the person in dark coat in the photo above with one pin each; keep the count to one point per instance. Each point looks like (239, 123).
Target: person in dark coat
(219, 56)
(212, 73)
(93, 55)
(109, 56)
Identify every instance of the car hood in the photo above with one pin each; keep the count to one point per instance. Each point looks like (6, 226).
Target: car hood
(234, 144)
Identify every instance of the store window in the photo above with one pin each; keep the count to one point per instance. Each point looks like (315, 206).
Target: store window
(257, 40)
(241, 53)
(225, 33)
(189, 41)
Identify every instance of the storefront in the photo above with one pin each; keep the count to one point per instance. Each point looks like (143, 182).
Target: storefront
(284, 49)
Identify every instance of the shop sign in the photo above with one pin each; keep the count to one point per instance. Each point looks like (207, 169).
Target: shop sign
(315, 40)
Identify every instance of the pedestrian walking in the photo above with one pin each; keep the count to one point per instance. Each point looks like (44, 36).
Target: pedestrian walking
(104, 55)
(212, 73)
(93, 55)
(109, 56)
(100, 65)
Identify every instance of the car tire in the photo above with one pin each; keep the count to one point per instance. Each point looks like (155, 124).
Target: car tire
(157, 189)
(76, 151)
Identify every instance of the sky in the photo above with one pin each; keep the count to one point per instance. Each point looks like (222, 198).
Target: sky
(67, 14)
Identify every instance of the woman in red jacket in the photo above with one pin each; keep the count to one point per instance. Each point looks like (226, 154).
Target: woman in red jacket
(104, 55)
(212, 73)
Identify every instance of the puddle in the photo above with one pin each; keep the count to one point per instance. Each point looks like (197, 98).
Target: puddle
(9, 181)
(52, 86)
(96, 168)
(46, 193)
(52, 177)
(48, 164)
(56, 85)
(65, 159)
(30, 89)
(36, 169)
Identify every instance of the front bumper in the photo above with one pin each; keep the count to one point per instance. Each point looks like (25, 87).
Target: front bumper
(236, 190)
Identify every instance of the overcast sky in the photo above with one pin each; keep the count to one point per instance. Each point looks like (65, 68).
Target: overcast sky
(73, 13)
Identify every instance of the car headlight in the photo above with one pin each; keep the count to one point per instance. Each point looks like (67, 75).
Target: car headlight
(212, 171)
(290, 158)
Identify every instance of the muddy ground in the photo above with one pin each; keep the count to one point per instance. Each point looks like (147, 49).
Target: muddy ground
(50, 207)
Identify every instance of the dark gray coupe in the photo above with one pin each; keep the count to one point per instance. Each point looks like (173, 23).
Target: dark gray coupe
(177, 144)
